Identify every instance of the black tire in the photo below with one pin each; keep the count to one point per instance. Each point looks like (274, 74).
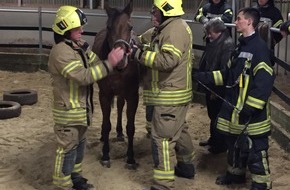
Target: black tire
(23, 96)
(9, 109)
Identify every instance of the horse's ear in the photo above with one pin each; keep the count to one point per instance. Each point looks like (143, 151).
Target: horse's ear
(129, 8)
(108, 9)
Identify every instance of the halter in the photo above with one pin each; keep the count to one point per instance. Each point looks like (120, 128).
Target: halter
(121, 41)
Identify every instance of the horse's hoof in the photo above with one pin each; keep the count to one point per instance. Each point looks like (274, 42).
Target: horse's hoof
(120, 138)
(106, 163)
(132, 166)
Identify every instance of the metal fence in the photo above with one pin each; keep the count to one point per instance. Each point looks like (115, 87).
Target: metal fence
(143, 5)
(40, 28)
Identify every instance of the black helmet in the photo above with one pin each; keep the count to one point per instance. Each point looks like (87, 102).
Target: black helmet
(222, 1)
(270, 3)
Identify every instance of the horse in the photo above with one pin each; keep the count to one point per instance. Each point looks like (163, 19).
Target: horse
(123, 82)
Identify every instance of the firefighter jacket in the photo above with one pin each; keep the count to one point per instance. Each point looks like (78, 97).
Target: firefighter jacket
(211, 10)
(216, 56)
(73, 69)
(168, 77)
(249, 80)
(272, 13)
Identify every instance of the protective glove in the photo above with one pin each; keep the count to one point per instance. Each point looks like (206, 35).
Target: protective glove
(136, 53)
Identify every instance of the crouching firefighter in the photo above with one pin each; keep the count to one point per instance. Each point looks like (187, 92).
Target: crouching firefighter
(245, 114)
(73, 68)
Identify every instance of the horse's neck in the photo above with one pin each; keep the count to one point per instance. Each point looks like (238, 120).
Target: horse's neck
(101, 45)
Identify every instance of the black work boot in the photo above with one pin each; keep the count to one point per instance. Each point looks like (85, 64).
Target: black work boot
(230, 179)
(217, 149)
(184, 170)
(82, 184)
(260, 186)
(204, 143)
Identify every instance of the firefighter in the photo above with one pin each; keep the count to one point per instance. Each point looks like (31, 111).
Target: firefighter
(215, 9)
(245, 114)
(271, 13)
(167, 86)
(73, 68)
(215, 56)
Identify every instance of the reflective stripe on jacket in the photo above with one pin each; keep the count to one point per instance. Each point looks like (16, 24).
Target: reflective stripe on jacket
(168, 78)
(73, 70)
(249, 81)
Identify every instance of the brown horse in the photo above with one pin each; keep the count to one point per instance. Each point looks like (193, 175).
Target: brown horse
(123, 82)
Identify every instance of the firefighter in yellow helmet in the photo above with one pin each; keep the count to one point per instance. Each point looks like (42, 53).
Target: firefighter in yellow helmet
(73, 68)
(167, 87)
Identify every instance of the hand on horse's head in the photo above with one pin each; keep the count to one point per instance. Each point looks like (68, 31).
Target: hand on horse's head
(115, 56)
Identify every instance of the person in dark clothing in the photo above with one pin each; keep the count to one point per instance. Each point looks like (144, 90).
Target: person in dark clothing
(213, 9)
(271, 13)
(244, 117)
(215, 57)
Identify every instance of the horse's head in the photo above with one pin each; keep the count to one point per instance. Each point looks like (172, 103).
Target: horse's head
(119, 27)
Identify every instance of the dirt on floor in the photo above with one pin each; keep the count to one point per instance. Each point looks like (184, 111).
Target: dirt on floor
(27, 147)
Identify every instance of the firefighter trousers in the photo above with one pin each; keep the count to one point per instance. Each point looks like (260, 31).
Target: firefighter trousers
(71, 142)
(256, 159)
(171, 143)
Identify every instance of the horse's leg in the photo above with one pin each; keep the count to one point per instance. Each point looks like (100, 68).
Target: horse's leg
(105, 102)
(132, 104)
(119, 128)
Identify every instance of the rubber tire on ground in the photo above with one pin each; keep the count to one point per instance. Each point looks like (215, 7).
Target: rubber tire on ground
(22, 96)
(9, 109)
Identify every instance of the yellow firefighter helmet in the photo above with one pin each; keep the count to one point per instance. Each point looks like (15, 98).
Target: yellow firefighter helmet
(67, 18)
(170, 7)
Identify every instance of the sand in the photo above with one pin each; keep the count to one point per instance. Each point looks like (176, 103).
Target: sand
(27, 148)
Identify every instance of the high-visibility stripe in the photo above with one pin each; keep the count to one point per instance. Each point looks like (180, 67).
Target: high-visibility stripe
(263, 65)
(241, 100)
(73, 94)
(77, 168)
(186, 158)
(96, 72)
(167, 97)
(161, 175)
(166, 154)
(172, 49)
(58, 178)
(256, 103)
(228, 11)
(218, 78)
(278, 23)
(253, 128)
(261, 178)
(58, 161)
(64, 117)
(92, 57)
(149, 58)
(71, 66)
(200, 14)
